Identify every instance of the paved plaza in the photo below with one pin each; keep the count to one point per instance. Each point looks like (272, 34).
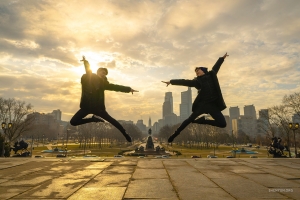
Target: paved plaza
(143, 178)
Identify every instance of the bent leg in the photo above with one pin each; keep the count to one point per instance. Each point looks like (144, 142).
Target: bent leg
(77, 119)
(219, 120)
(103, 114)
(184, 124)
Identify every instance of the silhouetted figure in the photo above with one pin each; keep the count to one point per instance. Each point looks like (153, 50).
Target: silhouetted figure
(93, 101)
(209, 99)
(22, 145)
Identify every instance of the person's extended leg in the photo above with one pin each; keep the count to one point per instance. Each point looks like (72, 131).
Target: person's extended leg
(219, 120)
(184, 124)
(103, 114)
(79, 119)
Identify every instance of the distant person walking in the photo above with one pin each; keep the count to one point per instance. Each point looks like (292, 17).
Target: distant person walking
(92, 99)
(209, 99)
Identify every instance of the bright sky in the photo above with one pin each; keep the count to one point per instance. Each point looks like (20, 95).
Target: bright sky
(144, 42)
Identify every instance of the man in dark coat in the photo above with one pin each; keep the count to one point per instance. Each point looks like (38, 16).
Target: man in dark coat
(92, 99)
(209, 98)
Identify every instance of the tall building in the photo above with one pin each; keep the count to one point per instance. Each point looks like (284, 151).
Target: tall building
(149, 123)
(249, 111)
(234, 112)
(186, 104)
(296, 118)
(228, 128)
(56, 114)
(246, 124)
(169, 98)
(140, 124)
(168, 104)
(263, 121)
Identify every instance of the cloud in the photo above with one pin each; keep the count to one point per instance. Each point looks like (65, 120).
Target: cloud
(144, 42)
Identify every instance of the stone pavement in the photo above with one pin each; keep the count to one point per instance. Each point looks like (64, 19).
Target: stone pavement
(143, 178)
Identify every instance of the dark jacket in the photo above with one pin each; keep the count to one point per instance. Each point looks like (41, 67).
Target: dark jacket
(203, 96)
(92, 95)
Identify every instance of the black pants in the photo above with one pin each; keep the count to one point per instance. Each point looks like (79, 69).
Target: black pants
(79, 119)
(219, 120)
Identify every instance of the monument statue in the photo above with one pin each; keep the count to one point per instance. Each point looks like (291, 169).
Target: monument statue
(149, 144)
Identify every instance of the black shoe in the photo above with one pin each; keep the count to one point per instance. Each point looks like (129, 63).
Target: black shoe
(97, 119)
(172, 137)
(128, 138)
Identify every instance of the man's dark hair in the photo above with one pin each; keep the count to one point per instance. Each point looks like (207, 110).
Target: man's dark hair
(104, 69)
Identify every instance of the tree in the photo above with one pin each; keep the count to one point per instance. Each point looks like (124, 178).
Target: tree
(15, 111)
(293, 102)
(165, 132)
(280, 116)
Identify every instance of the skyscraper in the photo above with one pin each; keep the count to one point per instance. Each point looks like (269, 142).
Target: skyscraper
(249, 111)
(234, 112)
(149, 123)
(169, 118)
(168, 104)
(263, 121)
(186, 104)
(56, 114)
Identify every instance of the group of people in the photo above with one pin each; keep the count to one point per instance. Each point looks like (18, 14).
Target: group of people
(208, 101)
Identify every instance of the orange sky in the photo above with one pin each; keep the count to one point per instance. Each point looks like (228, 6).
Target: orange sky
(144, 42)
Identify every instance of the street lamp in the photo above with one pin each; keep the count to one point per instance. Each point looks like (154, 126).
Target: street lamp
(5, 127)
(294, 126)
(66, 149)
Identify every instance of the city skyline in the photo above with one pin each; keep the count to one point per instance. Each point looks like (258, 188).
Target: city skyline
(143, 43)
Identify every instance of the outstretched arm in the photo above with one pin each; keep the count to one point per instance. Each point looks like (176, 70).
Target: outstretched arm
(182, 82)
(219, 62)
(86, 65)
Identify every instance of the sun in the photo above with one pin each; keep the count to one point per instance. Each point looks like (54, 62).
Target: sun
(94, 59)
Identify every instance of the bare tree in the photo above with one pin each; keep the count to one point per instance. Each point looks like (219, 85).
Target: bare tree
(280, 116)
(293, 102)
(15, 112)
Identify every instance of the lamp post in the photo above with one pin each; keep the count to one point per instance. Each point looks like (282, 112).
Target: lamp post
(294, 126)
(5, 127)
(233, 149)
(66, 149)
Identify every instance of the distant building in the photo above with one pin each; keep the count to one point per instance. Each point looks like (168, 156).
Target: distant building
(234, 112)
(169, 118)
(246, 124)
(229, 124)
(296, 118)
(140, 124)
(125, 121)
(186, 104)
(149, 123)
(249, 111)
(263, 123)
(56, 114)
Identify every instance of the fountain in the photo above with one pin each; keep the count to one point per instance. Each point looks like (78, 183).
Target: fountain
(149, 148)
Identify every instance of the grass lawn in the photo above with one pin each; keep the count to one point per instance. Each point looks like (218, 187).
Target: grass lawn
(106, 151)
(221, 151)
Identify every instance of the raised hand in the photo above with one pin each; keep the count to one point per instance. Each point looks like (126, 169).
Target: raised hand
(225, 55)
(166, 82)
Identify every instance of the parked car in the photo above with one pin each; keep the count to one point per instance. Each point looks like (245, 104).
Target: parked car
(60, 155)
(195, 157)
(118, 156)
(210, 156)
